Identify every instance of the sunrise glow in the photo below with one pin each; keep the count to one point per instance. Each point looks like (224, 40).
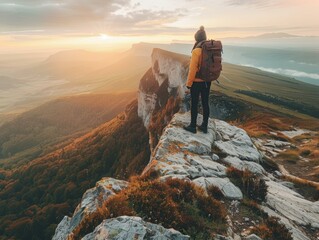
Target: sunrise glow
(114, 24)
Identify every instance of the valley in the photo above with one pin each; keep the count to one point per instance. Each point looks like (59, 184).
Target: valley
(54, 124)
(67, 73)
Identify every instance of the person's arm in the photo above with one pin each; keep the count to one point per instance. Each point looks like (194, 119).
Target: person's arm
(193, 67)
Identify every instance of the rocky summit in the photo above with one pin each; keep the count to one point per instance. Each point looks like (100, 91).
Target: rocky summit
(202, 159)
(183, 155)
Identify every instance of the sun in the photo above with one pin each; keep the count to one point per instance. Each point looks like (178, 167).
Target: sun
(104, 36)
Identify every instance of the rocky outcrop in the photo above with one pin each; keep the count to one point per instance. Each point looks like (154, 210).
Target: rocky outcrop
(125, 227)
(188, 156)
(91, 200)
(200, 158)
(167, 77)
(271, 148)
(291, 208)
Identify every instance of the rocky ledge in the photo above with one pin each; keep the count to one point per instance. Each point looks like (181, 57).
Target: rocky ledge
(91, 200)
(202, 159)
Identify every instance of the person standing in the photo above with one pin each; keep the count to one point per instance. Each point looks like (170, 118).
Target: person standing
(197, 86)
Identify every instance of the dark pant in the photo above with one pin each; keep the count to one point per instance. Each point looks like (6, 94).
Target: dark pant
(203, 89)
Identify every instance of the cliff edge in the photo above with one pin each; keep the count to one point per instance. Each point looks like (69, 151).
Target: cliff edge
(225, 160)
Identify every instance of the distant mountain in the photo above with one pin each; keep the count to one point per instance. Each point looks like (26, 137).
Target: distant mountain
(275, 35)
(120, 76)
(74, 72)
(276, 40)
(36, 132)
(71, 64)
(271, 36)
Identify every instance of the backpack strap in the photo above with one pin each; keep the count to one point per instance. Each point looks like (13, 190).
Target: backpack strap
(200, 44)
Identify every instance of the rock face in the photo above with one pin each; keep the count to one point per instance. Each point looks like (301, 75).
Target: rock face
(291, 208)
(91, 200)
(132, 228)
(166, 77)
(189, 156)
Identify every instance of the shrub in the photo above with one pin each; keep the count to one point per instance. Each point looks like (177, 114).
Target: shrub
(252, 186)
(153, 201)
(118, 206)
(215, 192)
(252, 205)
(211, 208)
(185, 190)
(272, 229)
(305, 153)
(161, 117)
(291, 156)
(174, 203)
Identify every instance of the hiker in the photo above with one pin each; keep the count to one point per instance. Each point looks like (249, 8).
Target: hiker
(197, 86)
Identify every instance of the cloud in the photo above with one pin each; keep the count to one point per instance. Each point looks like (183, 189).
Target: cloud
(256, 3)
(21, 14)
(116, 16)
(288, 72)
(144, 20)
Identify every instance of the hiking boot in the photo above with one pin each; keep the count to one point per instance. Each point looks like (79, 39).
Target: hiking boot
(190, 128)
(202, 128)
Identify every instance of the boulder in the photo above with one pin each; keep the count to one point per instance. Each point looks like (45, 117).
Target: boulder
(228, 189)
(234, 141)
(245, 165)
(132, 228)
(252, 237)
(91, 200)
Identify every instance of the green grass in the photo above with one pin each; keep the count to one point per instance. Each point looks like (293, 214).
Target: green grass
(236, 78)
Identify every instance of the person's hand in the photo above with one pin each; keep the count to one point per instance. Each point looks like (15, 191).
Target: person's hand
(187, 90)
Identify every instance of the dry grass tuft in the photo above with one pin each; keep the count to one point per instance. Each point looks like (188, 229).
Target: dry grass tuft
(173, 203)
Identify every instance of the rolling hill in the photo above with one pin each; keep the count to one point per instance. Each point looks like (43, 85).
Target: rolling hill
(71, 64)
(121, 76)
(270, 90)
(73, 72)
(35, 132)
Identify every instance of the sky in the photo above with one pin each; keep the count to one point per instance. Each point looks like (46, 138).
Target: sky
(41, 25)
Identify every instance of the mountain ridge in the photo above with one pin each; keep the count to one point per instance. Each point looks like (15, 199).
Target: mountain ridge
(215, 159)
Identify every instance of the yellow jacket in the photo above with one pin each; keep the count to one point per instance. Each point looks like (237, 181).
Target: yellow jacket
(194, 66)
